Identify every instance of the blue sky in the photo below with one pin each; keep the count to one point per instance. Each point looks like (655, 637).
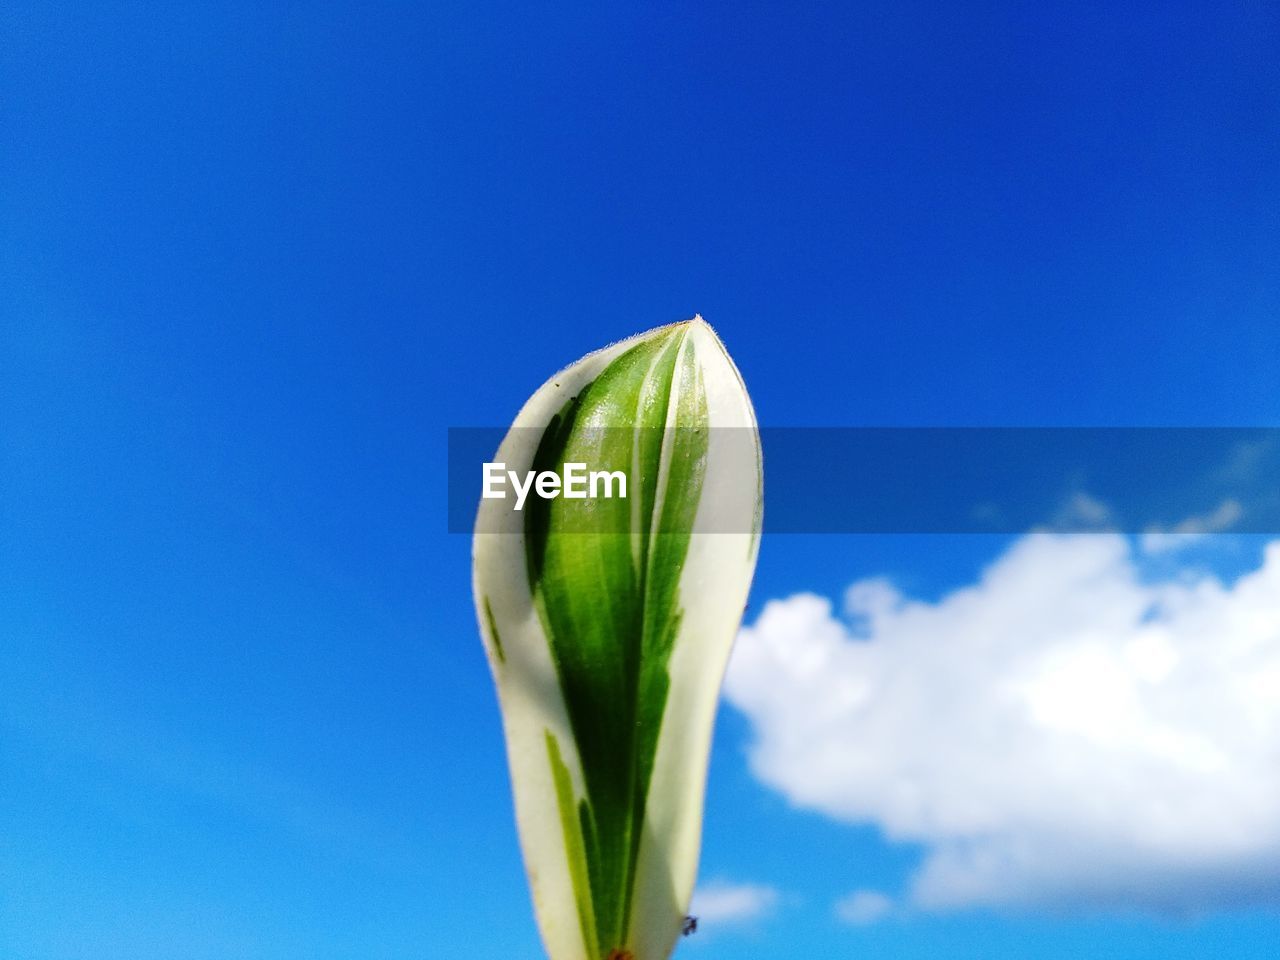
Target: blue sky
(254, 262)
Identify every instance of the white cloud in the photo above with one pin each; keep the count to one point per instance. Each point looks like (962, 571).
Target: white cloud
(720, 903)
(1249, 460)
(1193, 529)
(1060, 732)
(1081, 511)
(863, 907)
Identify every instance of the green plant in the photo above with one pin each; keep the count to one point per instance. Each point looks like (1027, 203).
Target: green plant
(608, 624)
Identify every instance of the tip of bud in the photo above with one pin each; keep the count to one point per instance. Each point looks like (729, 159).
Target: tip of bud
(699, 323)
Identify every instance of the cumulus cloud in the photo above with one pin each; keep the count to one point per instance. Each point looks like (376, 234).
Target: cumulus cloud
(1061, 732)
(720, 903)
(863, 907)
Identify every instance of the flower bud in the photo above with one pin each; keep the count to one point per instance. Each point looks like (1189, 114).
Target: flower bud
(608, 621)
